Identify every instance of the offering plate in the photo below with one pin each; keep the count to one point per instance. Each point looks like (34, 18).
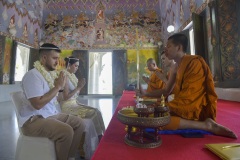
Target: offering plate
(160, 111)
(144, 112)
(142, 118)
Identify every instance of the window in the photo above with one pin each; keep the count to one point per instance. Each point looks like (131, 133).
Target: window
(191, 36)
(22, 59)
(100, 73)
(189, 27)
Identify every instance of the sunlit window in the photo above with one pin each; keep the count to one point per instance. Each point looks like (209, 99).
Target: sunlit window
(192, 46)
(189, 27)
(22, 59)
(100, 73)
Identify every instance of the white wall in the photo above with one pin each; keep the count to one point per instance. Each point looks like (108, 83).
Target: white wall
(231, 94)
(5, 91)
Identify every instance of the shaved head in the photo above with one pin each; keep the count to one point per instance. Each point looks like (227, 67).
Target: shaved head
(151, 60)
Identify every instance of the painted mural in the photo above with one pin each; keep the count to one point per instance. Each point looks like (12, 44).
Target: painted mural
(102, 24)
(21, 20)
(144, 55)
(75, 24)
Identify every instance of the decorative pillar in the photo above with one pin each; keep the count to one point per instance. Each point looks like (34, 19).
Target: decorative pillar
(215, 41)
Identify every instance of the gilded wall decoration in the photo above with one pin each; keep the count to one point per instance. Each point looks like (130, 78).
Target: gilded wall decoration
(229, 39)
(7, 60)
(2, 47)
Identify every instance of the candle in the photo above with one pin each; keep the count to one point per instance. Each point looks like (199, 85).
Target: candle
(137, 63)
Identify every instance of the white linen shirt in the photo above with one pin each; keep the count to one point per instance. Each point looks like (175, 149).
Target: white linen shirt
(35, 85)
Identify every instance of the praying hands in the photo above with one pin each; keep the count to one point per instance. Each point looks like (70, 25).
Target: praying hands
(60, 80)
(81, 83)
(146, 79)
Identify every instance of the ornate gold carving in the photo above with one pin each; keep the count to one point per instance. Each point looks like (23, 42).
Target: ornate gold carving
(141, 118)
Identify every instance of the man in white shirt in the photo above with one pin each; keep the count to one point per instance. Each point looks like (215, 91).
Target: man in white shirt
(41, 116)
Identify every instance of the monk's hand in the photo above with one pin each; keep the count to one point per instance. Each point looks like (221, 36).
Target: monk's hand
(161, 76)
(174, 68)
(146, 79)
(81, 83)
(60, 81)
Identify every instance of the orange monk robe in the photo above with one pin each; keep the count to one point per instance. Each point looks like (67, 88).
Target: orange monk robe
(155, 83)
(194, 94)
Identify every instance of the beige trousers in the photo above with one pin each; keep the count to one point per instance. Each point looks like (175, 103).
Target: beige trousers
(65, 130)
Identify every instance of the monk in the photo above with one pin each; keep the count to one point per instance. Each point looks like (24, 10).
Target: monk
(166, 66)
(191, 82)
(154, 82)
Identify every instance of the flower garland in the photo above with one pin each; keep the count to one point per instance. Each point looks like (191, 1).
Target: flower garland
(72, 77)
(49, 76)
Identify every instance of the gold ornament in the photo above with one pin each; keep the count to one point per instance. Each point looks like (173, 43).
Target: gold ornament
(162, 101)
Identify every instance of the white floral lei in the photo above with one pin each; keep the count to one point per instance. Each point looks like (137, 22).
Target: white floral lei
(72, 77)
(49, 76)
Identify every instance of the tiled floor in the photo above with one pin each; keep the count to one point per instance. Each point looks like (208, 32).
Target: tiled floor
(9, 128)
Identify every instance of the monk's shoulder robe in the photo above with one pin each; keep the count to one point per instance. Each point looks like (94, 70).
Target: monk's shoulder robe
(194, 94)
(155, 83)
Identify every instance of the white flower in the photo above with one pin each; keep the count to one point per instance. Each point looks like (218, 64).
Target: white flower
(49, 76)
(72, 77)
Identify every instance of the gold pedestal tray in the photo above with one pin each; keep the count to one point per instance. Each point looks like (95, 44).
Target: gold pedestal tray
(147, 142)
(140, 138)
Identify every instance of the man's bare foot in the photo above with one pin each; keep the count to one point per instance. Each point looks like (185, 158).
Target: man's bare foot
(218, 129)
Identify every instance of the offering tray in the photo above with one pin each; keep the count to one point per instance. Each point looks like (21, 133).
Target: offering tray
(133, 119)
(129, 117)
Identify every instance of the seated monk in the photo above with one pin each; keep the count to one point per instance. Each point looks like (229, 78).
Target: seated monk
(154, 82)
(191, 82)
(167, 64)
